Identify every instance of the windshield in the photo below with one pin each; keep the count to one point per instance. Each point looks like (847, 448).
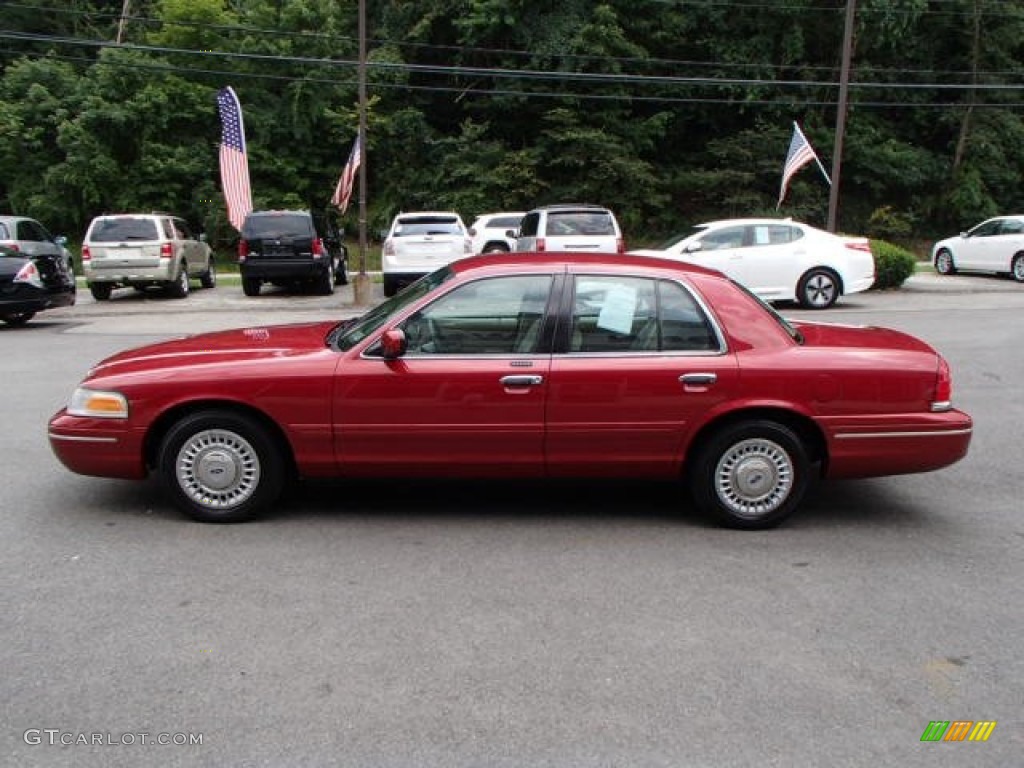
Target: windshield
(680, 237)
(786, 326)
(347, 335)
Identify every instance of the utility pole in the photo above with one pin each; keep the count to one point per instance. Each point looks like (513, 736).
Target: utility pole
(844, 88)
(120, 23)
(361, 284)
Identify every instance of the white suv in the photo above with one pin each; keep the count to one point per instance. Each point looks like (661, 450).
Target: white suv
(144, 249)
(418, 243)
(490, 232)
(580, 228)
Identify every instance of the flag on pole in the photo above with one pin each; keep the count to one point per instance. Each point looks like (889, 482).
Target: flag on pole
(234, 164)
(343, 190)
(800, 154)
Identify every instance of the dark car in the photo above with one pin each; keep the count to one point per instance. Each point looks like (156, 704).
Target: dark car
(30, 284)
(291, 248)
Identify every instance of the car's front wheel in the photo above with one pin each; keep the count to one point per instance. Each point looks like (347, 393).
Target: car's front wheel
(1017, 268)
(341, 271)
(221, 467)
(750, 475)
(390, 286)
(325, 281)
(944, 262)
(818, 289)
(251, 286)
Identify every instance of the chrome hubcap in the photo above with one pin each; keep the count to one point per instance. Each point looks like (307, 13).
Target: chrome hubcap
(1018, 269)
(754, 477)
(218, 469)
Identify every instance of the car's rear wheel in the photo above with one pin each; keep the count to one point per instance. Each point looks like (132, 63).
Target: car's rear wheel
(18, 318)
(341, 272)
(209, 278)
(251, 286)
(221, 467)
(325, 281)
(750, 475)
(178, 288)
(390, 286)
(818, 289)
(100, 291)
(1017, 268)
(944, 263)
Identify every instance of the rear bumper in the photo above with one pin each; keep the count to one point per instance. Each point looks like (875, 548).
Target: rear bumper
(895, 445)
(282, 269)
(27, 298)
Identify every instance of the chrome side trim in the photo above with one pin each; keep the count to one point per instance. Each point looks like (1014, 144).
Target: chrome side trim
(929, 433)
(79, 439)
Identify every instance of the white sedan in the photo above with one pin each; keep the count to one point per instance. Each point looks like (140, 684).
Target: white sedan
(995, 245)
(778, 259)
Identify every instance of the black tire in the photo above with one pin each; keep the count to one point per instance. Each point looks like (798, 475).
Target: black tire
(251, 286)
(495, 248)
(17, 319)
(178, 287)
(819, 288)
(325, 281)
(101, 291)
(221, 467)
(341, 273)
(209, 278)
(750, 475)
(390, 286)
(1017, 268)
(944, 263)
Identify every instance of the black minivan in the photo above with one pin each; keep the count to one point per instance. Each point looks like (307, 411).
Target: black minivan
(291, 248)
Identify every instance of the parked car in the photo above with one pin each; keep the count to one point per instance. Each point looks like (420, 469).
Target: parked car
(558, 365)
(490, 232)
(30, 237)
(580, 228)
(418, 243)
(141, 250)
(995, 245)
(291, 248)
(778, 259)
(31, 283)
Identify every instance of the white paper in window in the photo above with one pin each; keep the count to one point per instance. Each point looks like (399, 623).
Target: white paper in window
(618, 310)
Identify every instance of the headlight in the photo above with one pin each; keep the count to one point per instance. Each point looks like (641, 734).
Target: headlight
(96, 404)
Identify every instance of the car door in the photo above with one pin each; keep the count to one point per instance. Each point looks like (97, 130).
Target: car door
(468, 395)
(720, 249)
(975, 251)
(771, 260)
(638, 365)
(1004, 246)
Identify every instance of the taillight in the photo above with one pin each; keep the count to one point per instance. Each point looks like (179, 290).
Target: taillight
(943, 398)
(318, 248)
(541, 244)
(467, 246)
(858, 245)
(86, 253)
(29, 274)
(389, 247)
(620, 245)
(166, 251)
(13, 246)
(243, 249)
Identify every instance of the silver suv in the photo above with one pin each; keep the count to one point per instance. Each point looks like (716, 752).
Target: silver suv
(144, 249)
(580, 228)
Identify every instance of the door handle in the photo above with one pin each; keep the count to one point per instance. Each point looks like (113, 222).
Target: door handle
(521, 381)
(698, 379)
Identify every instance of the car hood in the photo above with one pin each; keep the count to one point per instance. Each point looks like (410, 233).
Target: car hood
(235, 346)
(818, 334)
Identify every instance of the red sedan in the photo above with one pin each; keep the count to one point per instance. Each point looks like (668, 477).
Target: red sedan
(557, 365)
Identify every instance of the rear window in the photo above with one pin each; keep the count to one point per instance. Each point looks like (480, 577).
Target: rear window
(277, 226)
(121, 229)
(579, 223)
(427, 225)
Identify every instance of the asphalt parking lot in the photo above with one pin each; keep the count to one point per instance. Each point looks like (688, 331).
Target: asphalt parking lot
(510, 624)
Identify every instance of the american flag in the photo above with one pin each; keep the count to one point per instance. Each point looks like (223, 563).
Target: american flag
(343, 191)
(234, 165)
(800, 154)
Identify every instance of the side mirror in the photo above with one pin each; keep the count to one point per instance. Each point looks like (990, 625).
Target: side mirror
(202, 237)
(693, 247)
(60, 240)
(512, 233)
(393, 343)
(383, 235)
(964, 234)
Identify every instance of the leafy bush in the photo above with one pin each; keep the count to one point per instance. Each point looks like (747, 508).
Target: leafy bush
(893, 265)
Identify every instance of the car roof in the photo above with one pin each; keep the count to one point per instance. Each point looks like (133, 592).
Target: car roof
(571, 207)
(278, 213)
(405, 214)
(739, 222)
(615, 262)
